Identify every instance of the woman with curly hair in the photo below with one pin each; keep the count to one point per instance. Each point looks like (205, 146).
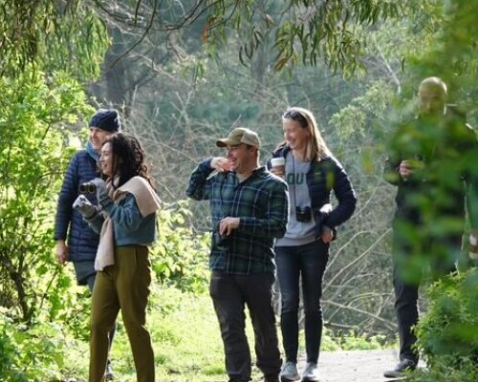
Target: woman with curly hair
(125, 217)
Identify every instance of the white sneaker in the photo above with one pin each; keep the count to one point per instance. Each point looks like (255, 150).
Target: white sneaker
(289, 372)
(311, 373)
(109, 376)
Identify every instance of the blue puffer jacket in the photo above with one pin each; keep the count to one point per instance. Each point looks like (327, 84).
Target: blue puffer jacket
(82, 240)
(322, 178)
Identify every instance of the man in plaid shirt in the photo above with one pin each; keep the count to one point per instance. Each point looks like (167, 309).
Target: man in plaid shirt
(249, 208)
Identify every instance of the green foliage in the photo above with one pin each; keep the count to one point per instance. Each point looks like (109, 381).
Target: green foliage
(356, 341)
(60, 35)
(180, 255)
(366, 117)
(303, 31)
(76, 43)
(32, 353)
(31, 161)
(448, 334)
(183, 333)
(440, 373)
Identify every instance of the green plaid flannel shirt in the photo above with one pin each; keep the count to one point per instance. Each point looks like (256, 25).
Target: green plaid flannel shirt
(262, 204)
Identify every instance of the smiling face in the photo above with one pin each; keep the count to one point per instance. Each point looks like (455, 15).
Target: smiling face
(97, 137)
(241, 157)
(107, 160)
(295, 135)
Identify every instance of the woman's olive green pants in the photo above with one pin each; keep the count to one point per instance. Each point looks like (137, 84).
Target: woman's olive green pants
(123, 286)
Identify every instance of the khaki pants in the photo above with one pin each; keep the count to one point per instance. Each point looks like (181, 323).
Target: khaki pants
(125, 286)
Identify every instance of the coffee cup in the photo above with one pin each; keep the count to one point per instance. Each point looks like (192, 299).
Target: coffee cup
(279, 164)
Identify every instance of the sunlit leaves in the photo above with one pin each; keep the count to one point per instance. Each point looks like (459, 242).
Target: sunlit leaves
(31, 165)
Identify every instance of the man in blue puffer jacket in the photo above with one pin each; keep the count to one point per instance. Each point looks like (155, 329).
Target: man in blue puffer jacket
(82, 240)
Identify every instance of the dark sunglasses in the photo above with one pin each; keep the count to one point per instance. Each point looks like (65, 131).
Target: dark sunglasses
(295, 116)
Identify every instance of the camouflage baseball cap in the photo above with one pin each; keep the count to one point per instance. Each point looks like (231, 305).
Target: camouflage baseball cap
(238, 136)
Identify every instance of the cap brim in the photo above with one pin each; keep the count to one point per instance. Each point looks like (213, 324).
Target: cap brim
(225, 142)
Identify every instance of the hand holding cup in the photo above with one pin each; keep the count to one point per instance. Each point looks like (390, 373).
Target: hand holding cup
(278, 166)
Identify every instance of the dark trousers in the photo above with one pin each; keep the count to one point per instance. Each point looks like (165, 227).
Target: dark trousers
(411, 255)
(230, 294)
(309, 262)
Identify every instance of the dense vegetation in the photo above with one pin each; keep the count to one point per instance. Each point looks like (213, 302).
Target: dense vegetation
(183, 73)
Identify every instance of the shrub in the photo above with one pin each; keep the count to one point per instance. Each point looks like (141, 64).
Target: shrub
(448, 333)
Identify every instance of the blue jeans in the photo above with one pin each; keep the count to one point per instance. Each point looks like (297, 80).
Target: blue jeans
(308, 261)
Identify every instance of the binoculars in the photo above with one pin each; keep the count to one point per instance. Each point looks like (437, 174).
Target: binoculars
(303, 215)
(87, 188)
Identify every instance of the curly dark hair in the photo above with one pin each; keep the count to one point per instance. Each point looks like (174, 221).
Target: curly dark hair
(128, 158)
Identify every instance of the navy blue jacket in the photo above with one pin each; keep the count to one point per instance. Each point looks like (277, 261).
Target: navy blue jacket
(322, 178)
(82, 240)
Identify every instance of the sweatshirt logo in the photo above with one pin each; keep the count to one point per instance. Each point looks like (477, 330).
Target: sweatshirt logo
(295, 179)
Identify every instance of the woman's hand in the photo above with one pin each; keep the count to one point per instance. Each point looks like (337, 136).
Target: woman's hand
(327, 235)
(61, 252)
(278, 170)
(84, 207)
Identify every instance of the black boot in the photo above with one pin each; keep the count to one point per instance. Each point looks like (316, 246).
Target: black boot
(404, 365)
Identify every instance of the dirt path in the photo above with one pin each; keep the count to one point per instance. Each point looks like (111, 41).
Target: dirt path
(355, 366)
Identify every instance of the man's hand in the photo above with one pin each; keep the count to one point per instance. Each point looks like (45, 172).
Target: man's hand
(84, 207)
(227, 225)
(405, 169)
(220, 164)
(327, 235)
(61, 252)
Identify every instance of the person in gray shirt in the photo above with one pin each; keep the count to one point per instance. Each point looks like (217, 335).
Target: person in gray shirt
(312, 173)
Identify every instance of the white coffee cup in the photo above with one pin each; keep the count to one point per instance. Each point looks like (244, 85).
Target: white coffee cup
(278, 162)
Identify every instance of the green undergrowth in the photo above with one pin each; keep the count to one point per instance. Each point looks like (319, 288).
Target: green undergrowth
(185, 335)
(187, 342)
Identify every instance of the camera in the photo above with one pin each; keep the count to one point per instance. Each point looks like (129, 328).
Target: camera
(87, 188)
(303, 215)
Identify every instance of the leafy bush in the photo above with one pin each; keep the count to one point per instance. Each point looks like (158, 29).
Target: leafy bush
(448, 333)
(32, 113)
(180, 254)
(355, 341)
(27, 354)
